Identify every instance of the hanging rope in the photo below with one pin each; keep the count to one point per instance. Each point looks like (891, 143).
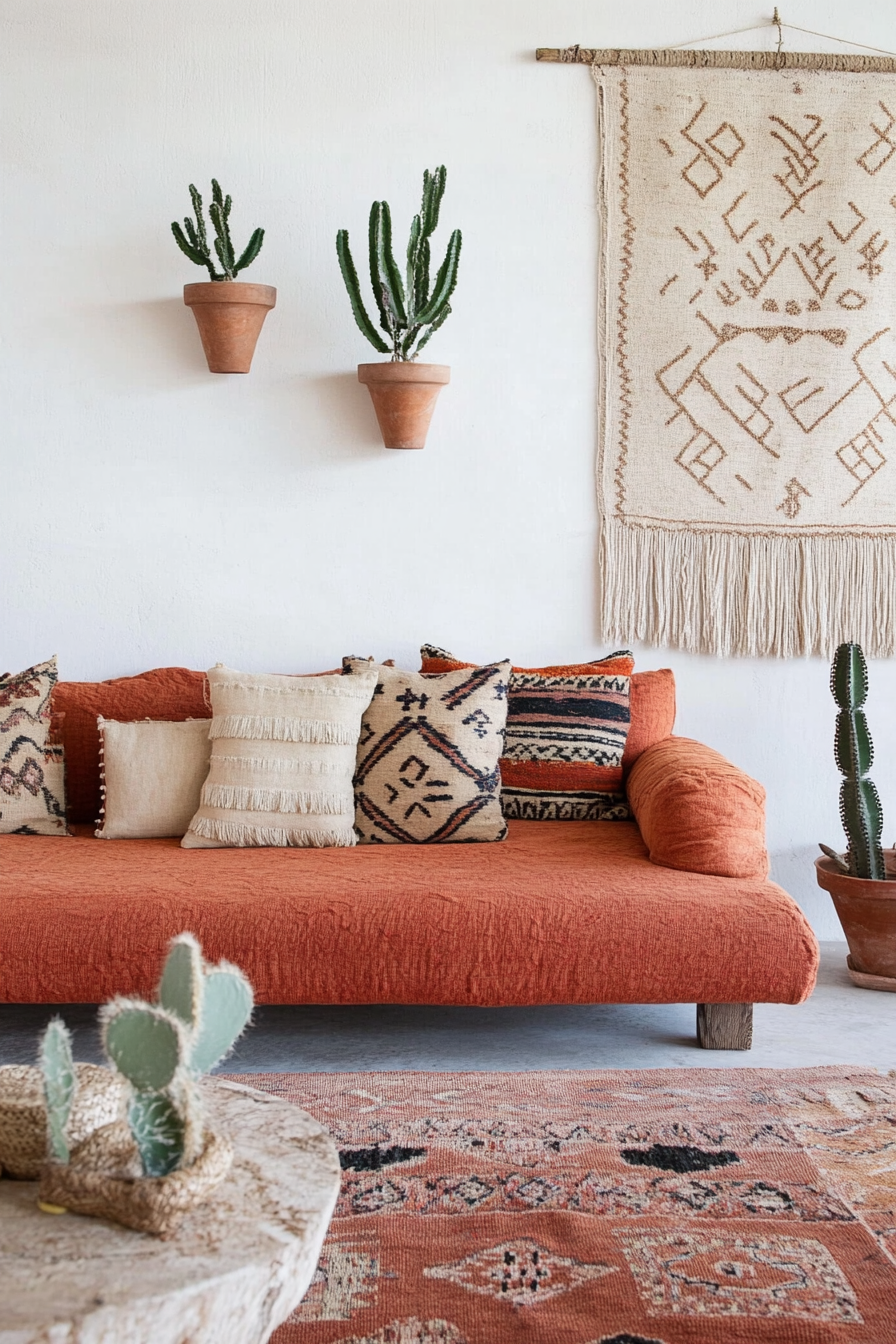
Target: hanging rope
(777, 22)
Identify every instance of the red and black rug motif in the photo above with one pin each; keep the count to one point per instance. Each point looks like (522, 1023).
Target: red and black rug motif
(731, 1206)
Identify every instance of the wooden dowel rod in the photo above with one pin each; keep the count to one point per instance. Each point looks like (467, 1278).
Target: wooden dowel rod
(732, 60)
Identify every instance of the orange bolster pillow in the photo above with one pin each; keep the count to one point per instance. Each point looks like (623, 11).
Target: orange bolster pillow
(698, 812)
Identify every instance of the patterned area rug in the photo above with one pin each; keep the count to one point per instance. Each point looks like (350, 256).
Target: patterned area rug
(730, 1206)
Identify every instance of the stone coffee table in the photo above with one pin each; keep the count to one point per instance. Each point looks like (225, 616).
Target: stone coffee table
(231, 1274)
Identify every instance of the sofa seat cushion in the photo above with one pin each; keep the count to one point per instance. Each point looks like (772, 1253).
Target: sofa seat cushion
(561, 912)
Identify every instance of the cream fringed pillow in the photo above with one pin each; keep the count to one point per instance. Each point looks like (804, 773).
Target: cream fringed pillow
(152, 774)
(283, 757)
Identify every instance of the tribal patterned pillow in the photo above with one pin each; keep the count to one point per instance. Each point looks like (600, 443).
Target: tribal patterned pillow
(427, 770)
(32, 786)
(566, 731)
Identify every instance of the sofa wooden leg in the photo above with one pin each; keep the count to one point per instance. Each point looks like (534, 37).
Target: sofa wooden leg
(725, 1026)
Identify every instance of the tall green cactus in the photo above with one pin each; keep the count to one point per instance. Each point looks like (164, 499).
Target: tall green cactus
(163, 1048)
(410, 311)
(192, 239)
(860, 807)
(60, 1084)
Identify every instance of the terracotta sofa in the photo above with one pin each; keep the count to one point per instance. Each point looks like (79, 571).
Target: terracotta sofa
(674, 906)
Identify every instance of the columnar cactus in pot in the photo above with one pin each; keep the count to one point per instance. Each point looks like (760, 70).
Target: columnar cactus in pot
(862, 882)
(410, 310)
(149, 1170)
(229, 313)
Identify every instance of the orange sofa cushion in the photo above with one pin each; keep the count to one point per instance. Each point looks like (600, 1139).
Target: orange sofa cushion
(652, 711)
(171, 694)
(698, 812)
(561, 912)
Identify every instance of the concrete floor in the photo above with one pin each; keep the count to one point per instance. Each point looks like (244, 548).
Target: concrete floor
(839, 1024)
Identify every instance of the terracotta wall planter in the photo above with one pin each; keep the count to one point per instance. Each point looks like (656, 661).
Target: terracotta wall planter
(229, 315)
(404, 397)
(867, 911)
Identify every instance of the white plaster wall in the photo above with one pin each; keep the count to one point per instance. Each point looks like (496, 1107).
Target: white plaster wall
(155, 514)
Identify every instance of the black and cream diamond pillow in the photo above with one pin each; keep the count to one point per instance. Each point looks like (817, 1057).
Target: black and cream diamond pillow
(32, 789)
(427, 770)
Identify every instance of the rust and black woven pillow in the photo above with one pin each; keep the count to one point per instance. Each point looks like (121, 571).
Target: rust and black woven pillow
(566, 731)
(427, 768)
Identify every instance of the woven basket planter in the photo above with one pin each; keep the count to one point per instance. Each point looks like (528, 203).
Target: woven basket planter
(100, 1099)
(103, 1180)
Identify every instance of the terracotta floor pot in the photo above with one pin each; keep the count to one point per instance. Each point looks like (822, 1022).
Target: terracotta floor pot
(229, 315)
(404, 397)
(867, 911)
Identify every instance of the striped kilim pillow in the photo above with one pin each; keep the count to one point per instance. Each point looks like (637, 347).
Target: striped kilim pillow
(283, 756)
(566, 731)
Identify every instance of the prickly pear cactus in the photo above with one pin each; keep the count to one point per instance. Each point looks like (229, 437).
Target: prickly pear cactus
(860, 807)
(180, 988)
(159, 1130)
(227, 1007)
(162, 1048)
(60, 1083)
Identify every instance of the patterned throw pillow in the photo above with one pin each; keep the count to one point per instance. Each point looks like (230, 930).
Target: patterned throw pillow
(566, 731)
(32, 782)
(427, 770)
(283, 755)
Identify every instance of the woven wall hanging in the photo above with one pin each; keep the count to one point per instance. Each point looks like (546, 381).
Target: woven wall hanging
(747, 465)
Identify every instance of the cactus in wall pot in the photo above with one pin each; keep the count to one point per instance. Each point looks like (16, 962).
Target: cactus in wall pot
(410, 310)
(862, 882)
(229, 313)
(160, 1049)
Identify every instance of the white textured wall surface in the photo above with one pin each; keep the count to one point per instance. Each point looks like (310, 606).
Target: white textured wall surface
(154, 514)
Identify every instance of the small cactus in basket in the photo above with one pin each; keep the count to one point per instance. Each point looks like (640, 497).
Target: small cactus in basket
(860, 807)
(160, 1050)
(192, 239)
(409, 310)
